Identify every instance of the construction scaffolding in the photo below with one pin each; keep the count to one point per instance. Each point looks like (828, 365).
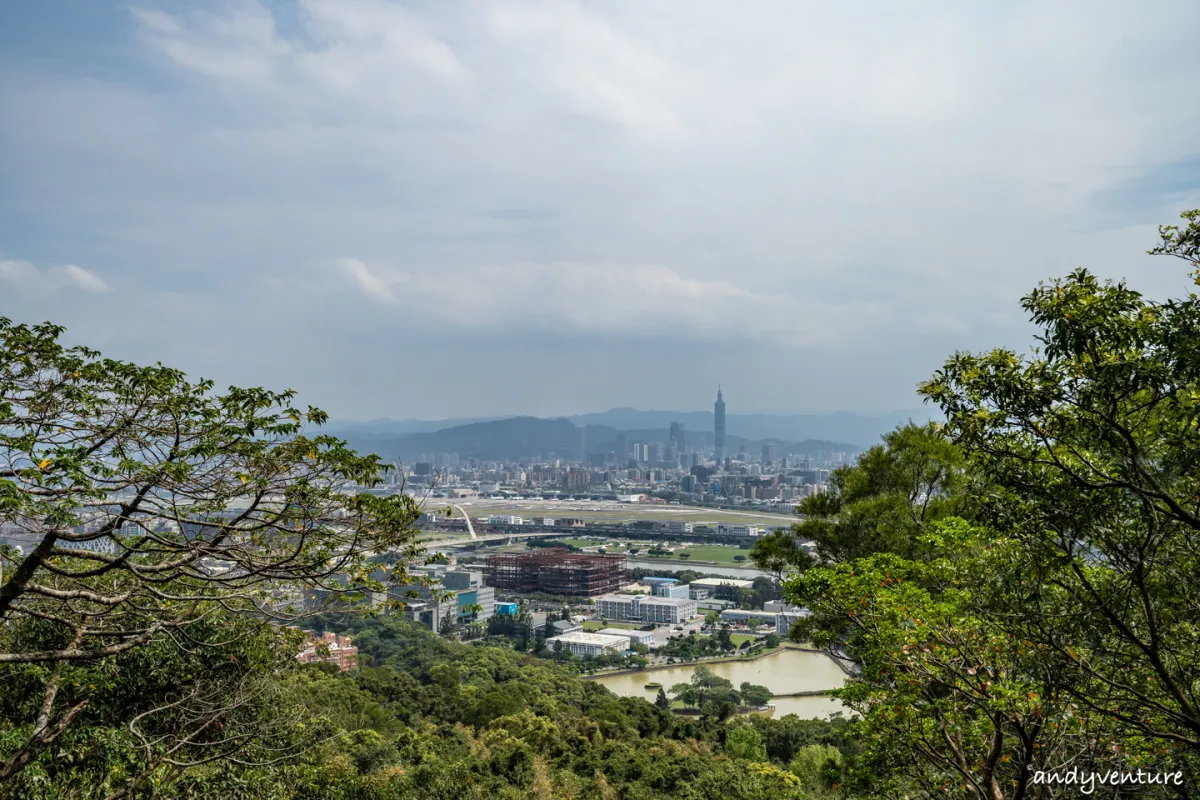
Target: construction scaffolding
(556, 570)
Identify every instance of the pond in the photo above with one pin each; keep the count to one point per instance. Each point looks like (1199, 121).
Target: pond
(783, 672)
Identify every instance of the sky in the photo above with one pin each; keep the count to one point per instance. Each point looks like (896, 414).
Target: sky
(435, 208)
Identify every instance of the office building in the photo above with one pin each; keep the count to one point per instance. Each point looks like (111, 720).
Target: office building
(673, 590)
(668, 610)
(617, 607)
(661, 610)
(768, 454)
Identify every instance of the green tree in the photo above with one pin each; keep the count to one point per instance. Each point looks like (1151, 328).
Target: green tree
(661, 700)
(743, 741)
(1090, 443)
(817, 765)
(152, 504)
(754, 695)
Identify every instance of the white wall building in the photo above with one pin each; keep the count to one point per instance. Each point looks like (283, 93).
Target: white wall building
(635, 637)
(743, 531)
(671, 610)
(663, 610)
(583, 645)
(617, 606)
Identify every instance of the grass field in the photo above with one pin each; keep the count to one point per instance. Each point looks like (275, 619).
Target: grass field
(738, 638)
(596, 625)
(606, 511)
(720, 554)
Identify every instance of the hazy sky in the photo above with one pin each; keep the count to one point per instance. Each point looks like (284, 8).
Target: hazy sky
(439, 208)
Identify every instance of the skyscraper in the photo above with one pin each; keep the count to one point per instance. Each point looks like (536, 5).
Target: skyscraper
(678, 436)
(719, 426)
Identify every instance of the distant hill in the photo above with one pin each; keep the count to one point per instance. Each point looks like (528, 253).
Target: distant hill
(514, 437)
(861, 430)
(521, 437)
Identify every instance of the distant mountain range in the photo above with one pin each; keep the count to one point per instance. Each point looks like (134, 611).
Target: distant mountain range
(518, 437)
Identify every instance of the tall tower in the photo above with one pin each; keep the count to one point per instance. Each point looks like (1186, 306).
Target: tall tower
(719, 426)
(677, 436)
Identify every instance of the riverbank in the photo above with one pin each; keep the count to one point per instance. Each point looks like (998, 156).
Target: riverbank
(704, 661)
(799, 678)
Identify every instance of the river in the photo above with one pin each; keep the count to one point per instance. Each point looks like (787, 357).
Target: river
(783, 672)
(743, 573)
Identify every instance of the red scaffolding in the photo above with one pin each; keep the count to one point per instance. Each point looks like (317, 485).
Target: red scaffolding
(556, 570)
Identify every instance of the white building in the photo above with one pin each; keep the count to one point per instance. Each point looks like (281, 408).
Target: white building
(721, 588)
(749, 617)
(743, 531)
(668, 610)
(678, 527)
(583, 645)
(504, 519)
(671, 610)
(617, 606)
(635, 637)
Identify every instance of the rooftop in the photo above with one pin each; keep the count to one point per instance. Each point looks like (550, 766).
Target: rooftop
(721, 582)
(599, 639)
(666, 601)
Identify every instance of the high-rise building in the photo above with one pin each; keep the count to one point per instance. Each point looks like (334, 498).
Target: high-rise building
(719, 425)
(678, 436)
(768, 454)
(622, 448)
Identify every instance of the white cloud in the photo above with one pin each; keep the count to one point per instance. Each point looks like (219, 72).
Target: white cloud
(26, 275)
(607, 300)
(722, 186)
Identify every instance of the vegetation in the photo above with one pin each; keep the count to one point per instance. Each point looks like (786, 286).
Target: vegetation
(1018, 585)
(161, 521)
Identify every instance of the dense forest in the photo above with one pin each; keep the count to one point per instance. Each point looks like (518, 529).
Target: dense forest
(1016, 590)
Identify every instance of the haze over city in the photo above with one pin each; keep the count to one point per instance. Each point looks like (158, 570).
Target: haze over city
(429, 210)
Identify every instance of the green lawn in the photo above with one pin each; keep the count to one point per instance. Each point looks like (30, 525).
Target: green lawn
(721, 554)
(738, 638)
(596, 625)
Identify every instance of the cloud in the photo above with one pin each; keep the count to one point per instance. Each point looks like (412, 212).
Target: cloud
(597, 299)
(817, 200)
(26, 275)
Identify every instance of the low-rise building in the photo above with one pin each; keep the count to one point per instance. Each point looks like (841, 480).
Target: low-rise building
(662, 610)
(669, 610)
(635, 637)
(561, 627)
(329, 648)
(720, 588)
(585, 645)
(673, 590)
(743, 616)
(786, 619)
(740, 531)
(617, 606)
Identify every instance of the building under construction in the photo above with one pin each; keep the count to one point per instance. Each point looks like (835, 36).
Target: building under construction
(556, 570)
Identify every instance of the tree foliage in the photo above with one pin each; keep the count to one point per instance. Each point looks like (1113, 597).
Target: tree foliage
(146, 507)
